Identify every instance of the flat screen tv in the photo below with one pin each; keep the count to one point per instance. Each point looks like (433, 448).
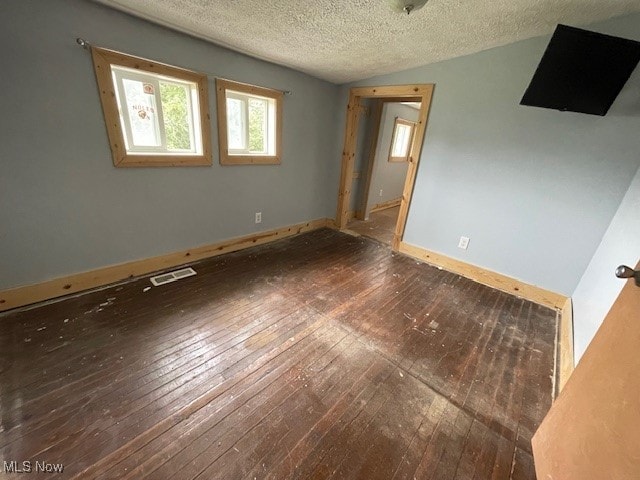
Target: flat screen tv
(582, 71)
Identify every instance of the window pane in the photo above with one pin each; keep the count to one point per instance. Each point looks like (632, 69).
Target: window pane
(257, 125)
(401, 143)
(175, 111)
(235, 128)
(141, 107)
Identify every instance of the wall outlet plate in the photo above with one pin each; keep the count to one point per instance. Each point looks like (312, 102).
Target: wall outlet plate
(258, 217)
(463, 243)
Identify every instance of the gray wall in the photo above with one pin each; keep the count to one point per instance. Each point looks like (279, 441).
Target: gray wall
(66, 209)
(534, 189)
(388, 176)
(599, 288)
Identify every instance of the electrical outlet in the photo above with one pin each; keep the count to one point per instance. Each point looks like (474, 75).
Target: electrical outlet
(380, 194)
(258, 217)
(463, 243)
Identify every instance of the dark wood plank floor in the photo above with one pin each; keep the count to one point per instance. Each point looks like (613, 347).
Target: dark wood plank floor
(319, 356)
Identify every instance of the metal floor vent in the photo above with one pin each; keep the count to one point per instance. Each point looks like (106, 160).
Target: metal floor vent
(172, 276)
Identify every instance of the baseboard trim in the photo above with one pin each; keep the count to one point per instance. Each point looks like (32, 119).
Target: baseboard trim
(487, 277)
(565, 347)
(384, 205)
(29, 294)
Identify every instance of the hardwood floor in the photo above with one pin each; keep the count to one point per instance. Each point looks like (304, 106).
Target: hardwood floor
(380, 226)
(319, 356)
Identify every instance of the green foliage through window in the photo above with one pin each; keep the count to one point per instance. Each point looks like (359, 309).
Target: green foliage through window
(175, 109)
(257, 125)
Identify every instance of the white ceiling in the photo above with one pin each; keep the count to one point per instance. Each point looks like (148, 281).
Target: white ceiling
(346, 40)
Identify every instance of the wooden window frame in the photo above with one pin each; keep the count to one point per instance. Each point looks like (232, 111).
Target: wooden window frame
(226, 158)
(412, 126)
(103, 59)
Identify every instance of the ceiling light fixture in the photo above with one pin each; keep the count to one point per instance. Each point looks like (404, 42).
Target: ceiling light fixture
(406, 6)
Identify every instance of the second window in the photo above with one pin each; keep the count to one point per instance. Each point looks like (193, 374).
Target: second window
(249, 123)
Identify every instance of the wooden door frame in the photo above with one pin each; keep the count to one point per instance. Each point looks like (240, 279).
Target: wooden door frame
(392, 93)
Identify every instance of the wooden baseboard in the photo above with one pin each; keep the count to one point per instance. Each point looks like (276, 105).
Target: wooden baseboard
(565, 346)
(78, 282)
(487, 277)
(384, 205)
(353, 214)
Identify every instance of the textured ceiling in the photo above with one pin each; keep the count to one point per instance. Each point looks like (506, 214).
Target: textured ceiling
(347, 40)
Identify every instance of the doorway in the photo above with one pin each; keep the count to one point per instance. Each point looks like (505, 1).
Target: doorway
(359, 102)
(385, 136)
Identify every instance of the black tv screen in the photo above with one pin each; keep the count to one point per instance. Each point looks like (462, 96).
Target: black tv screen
(582, 71)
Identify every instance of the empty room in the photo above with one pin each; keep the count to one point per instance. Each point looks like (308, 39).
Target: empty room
(377, 239)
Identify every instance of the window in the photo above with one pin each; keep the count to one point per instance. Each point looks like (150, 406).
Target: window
(401, 140)
(249, 123)
(156, 115)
